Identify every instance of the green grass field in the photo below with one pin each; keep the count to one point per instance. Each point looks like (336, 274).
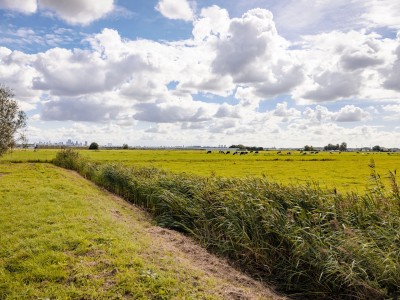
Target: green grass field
(62, 237)
(345, 171)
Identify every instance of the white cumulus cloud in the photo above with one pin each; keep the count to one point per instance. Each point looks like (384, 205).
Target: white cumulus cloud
(23, 6)
(350, 113)
(382, 13)
(78, 12)
(175, 9)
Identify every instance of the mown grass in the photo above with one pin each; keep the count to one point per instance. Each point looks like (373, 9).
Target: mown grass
(63, 238)
(345, 171)
(311, 242)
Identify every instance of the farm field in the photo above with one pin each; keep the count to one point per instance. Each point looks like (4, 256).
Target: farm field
(347, 171)
(62, 237)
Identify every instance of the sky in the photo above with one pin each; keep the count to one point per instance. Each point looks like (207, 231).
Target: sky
(269, 73)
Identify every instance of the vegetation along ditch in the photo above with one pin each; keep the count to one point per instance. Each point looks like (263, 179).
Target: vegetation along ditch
(310, 242)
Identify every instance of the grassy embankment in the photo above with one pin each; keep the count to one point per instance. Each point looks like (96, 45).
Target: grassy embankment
(63, 238)
(345, 171)
(310, 242)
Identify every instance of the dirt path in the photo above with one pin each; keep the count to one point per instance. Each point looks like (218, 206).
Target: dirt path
(235, 284)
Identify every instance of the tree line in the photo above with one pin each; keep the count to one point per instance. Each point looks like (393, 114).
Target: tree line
(242, 147)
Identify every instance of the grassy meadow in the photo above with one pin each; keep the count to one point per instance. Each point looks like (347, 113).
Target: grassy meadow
(62, 237)
(348, 171)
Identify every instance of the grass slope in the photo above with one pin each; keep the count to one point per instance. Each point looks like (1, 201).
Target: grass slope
(63, 238)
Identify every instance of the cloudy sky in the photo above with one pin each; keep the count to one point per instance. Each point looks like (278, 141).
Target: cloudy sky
(177, 72)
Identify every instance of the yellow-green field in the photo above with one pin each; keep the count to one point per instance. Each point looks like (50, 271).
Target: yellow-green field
(346, 171)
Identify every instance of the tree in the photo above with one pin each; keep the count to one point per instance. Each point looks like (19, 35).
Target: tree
(343, 146)
(94, 146)
(240, 146)
(125, 146)
(308, 148)
(11, 120)
(377, 148)
(24, 141)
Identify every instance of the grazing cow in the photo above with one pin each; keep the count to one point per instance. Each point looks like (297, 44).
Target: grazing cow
(234, 153)
(289, 153)
(209, 151)
(227, 152)
(279, 152)
(330, 152)
(305, 153)
(256, 152)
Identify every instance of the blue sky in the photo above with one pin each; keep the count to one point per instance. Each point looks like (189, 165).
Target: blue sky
(177, 72)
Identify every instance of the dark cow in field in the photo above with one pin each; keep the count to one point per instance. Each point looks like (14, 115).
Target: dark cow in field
(227, 152)
(209, 151)
(289, 153)
(256, 152)
(279, 152)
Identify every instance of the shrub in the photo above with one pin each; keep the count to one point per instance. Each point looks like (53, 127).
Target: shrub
(94, 146)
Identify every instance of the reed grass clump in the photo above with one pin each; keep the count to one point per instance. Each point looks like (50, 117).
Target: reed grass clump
(312, 243)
